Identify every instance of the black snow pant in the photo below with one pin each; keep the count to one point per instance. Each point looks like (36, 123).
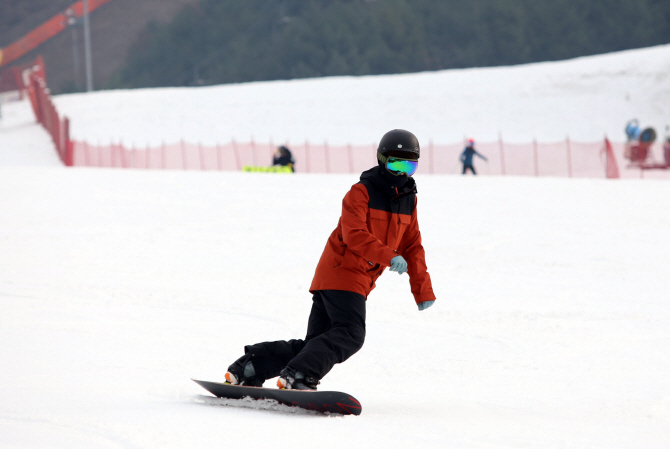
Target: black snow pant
(335, 332)
(471, 167)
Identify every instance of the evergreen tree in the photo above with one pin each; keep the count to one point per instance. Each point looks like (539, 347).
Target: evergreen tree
(225, 41)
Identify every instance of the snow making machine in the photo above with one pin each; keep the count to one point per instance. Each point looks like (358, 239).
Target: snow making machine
(638, 147)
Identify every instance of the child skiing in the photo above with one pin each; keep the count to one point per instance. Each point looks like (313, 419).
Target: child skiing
(378, 228)
(467, 157)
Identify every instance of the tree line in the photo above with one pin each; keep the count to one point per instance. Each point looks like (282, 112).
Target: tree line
(230, 41)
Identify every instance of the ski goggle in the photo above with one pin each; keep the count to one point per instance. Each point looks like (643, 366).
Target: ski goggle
(399, 166)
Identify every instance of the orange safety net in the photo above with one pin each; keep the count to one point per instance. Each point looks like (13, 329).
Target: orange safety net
(45, 111)
(561, 159)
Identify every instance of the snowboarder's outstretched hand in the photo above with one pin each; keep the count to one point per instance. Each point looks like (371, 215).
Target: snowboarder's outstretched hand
(424, 305)
(399, 264)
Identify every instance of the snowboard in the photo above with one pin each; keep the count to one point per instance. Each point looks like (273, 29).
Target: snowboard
(320, 401)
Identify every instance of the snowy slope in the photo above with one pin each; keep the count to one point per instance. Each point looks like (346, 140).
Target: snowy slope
(117, 286)
(23, 142)
(585, 98)
(551, 327)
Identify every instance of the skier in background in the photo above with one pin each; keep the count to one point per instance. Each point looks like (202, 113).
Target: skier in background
(378, 229)
(283, 157)
(468, 154)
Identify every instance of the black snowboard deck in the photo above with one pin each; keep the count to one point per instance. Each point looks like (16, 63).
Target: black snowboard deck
(320, 401)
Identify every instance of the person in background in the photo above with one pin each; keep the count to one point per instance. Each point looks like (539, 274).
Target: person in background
(283, 157)
(468, 154)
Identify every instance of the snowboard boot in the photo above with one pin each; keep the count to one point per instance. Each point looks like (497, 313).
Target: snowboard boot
(242, 373)
(289, 379)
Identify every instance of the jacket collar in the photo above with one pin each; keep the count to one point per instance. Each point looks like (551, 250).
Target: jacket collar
(375, 176)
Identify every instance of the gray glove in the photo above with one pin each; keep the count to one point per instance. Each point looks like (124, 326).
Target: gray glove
(399, 264)
(424, 305)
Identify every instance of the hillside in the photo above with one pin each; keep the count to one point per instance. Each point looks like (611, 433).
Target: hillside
(153, 43)
(585, 98)
(226, 41)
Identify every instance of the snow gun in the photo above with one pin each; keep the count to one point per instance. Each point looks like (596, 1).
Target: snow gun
(638, 145)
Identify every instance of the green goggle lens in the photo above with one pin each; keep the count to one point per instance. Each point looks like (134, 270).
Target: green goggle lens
(399, 166)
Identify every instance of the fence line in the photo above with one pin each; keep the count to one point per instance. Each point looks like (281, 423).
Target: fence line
(45, 112)
(566, 159)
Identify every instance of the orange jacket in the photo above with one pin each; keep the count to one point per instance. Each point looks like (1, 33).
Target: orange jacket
(378, 222)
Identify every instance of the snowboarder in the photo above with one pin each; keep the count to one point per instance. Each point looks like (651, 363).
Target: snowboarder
(283, 157)
(468, 154)
(378, 228)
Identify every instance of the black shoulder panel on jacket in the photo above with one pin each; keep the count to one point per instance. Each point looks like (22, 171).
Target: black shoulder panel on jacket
(389, 201)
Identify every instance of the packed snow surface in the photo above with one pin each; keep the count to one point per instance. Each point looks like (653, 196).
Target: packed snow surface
(585, 98)
(550, 330)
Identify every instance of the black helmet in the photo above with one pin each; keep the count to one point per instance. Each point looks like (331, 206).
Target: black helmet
(398, 143)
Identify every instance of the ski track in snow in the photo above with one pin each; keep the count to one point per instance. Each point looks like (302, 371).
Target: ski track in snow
(266, 404)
